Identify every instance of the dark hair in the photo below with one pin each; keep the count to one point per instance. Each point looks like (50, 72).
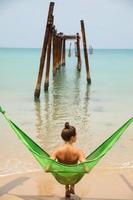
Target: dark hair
(68, 131)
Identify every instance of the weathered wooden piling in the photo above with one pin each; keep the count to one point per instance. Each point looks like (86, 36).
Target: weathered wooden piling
(69, 51)
(64, 52)
(60, 48)
(85, 52)
(46, 84)
(75, 47)
(78, 53)
(43, 54)
(54, 52)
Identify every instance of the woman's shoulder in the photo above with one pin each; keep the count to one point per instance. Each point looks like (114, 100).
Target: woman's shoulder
(57, 149)
(79, 151)
(55, 152)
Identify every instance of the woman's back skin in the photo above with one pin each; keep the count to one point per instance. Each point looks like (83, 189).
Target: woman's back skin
(68, 154)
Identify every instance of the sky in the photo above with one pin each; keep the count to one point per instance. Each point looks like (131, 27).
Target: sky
(108, 23)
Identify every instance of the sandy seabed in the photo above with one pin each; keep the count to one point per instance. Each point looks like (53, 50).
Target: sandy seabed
(100, 184)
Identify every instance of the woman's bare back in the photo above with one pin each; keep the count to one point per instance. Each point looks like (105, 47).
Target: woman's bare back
(68, 155)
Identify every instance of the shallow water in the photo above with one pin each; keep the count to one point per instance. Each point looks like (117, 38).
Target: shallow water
(96, 111)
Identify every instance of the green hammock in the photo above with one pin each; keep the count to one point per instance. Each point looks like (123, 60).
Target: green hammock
(66, 174)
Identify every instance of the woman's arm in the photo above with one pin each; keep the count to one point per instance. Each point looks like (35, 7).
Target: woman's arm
(83, 159)
(81, 156)
(53, 155)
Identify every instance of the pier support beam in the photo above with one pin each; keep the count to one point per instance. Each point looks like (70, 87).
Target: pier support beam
(75, 47)
(54, 53)
(43, 54)
(78, 53)
(69, 52)
(60, 48)
(64, 52)
(85, 52)
(46, 84)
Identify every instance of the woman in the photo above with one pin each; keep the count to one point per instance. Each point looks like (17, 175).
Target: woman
(68, 154)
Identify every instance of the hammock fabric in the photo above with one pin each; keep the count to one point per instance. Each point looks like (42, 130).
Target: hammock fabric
(67, 174)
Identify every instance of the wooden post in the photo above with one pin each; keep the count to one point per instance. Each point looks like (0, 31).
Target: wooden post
(69, 52)
(57, 51)
(64, 52)
(46, 84)
(43, 54)
(75, 45)
(78, 53)
(54, 52)
(85, 52)
(60, 49)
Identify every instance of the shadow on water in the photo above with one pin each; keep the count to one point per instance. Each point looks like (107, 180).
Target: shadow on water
(12, 184)
(39, 120)
(42, 113)
(86, 101)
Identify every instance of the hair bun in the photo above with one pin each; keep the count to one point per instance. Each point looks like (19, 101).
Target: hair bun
(67, 125)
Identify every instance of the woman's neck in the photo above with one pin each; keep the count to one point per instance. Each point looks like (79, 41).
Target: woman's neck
(69, 143)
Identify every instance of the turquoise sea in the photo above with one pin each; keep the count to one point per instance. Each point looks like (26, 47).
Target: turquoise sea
(96, 111)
